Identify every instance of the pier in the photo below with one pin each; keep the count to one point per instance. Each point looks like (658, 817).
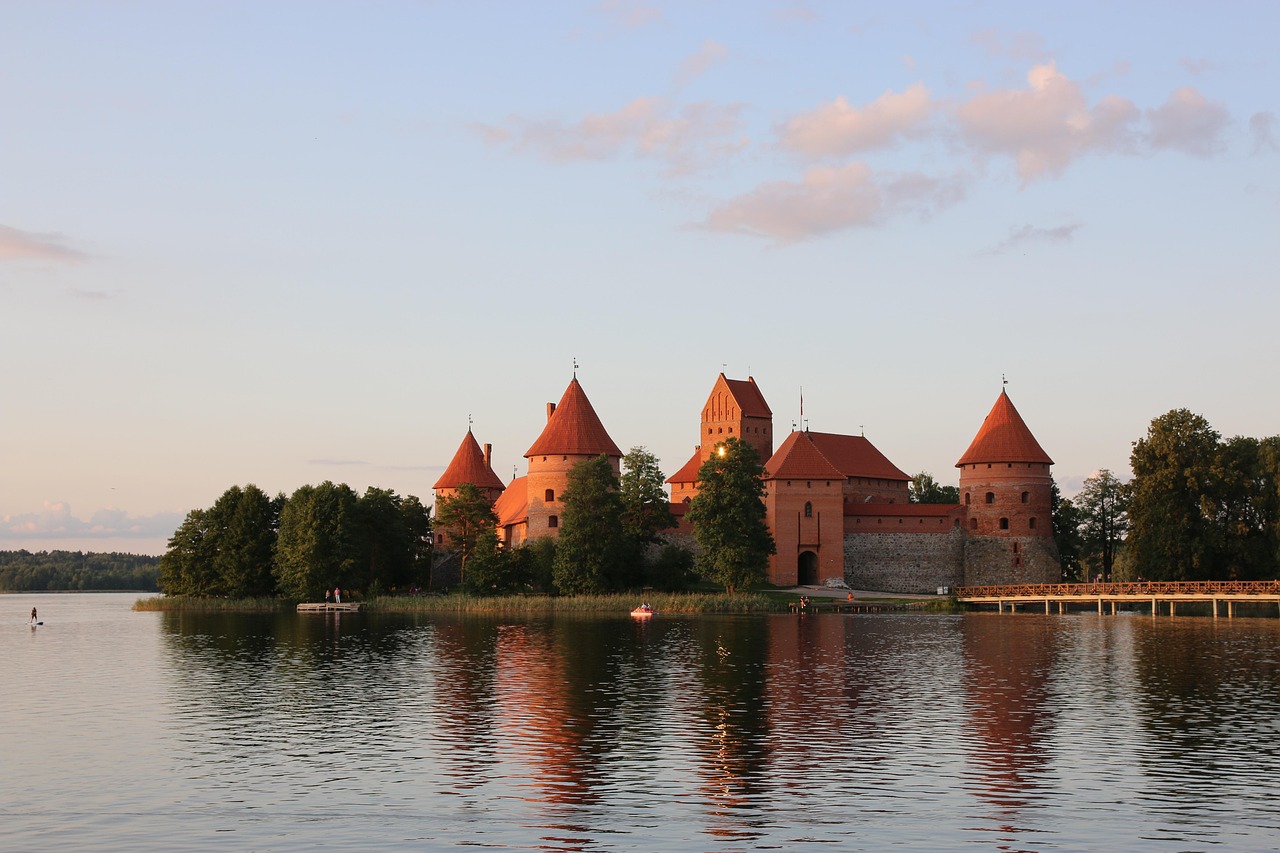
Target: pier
(329, 607)
(1159, 594)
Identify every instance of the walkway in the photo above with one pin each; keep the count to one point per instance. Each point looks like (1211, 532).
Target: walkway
(1156, 593)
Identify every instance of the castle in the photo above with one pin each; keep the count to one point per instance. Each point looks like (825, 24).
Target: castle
(837, 507)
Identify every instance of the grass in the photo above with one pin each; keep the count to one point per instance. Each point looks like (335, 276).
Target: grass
(664, 602)
(190, 604)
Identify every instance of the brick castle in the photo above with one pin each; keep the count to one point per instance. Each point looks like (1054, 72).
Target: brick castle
(837, 507)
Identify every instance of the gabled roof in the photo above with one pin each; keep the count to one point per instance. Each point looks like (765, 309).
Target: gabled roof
(748, 396)
(688, 473)
(574, 428)
(512, 506)
(468, 466)
(1004, 437)
(800, 459)
(854, 456)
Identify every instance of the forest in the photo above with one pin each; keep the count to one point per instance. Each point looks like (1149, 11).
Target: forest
(25, 571)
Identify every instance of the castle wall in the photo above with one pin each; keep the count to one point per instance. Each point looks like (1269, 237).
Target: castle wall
(819, 533)
(912, 563)
(1011, 560)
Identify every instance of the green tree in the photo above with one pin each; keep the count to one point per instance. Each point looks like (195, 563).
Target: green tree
(728, 517)
(187, 566)
(467, 520)
(1066, 533)
(247, 523)
(320, 539)
(1171, 536)
(592, 553)
(1102, 522)
(926, 490)
(646, 510)
(1244, 506)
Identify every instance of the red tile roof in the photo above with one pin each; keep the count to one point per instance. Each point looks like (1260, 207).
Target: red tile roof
(468, 466)
(854, 456)
(749, 398)
(800, 459)
(688, 473)
(512, 507)
(574, 428)
(906, 510)
(1004, 437)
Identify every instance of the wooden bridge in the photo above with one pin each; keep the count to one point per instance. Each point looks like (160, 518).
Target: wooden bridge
(1156, 593)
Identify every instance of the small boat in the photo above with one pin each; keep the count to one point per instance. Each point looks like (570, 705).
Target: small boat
(644, 611)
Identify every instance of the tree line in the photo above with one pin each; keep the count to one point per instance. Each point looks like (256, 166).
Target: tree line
(249, 544)
(24, 571)
(1199, 507)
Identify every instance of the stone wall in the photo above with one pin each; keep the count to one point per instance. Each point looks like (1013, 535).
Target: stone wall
(904, 562)
(1011, 559)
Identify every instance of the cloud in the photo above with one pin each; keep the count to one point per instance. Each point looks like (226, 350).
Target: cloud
(1188, 122)
(1262, 126)
(1022, 47)
(1019, 237)
(827, 200)
(685, 140)
(1045, 127)
(796, 11)
(631, 14)
(55, 521)
(839, 128)
(1197, 66)
(711, 54)
(16, 245)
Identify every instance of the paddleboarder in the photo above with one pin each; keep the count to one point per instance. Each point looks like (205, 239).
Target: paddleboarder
(33, 616)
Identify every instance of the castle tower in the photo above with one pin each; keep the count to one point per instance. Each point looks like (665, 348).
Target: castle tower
(804, 504)
(470, 465)
(1005, 486)
(573, 434)
(735, 408)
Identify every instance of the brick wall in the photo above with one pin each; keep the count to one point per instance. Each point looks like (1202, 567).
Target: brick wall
(994, 560)
(904, 562)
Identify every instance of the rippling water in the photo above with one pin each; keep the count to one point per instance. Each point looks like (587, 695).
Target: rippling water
(146, 731)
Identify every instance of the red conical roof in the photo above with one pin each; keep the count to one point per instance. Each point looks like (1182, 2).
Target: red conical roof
(574, 428)
(468, 466)
(1004, 437)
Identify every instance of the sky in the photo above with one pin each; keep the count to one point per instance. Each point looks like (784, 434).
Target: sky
(281, 243)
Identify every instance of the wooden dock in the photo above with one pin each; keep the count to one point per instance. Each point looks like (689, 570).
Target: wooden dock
(329, 607)
(1155, 593)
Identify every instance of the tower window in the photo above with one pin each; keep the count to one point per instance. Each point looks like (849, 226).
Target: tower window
(1032, 523)
(1025, 495)
(991, 497)
(1004, 524)
(553, 521)
(730, 430)
(966, 498)
(1015, 547)
(549, 496)
(973, 524)
(808, 509)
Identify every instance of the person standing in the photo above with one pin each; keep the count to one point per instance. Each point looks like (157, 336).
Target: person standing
(337, 595)
(33, 616)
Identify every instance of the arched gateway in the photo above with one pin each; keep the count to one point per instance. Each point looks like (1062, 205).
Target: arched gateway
(807, 569)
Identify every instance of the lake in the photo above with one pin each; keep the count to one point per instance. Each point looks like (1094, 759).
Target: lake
(161, 731)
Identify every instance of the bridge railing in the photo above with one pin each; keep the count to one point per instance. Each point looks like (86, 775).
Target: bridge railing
(1147, 588)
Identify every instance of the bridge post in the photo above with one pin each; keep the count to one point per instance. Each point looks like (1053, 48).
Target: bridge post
(1231, 609)
(1153, 607)
(1215, 608)
(1172, 606)
(1099, 605)
(1113, 607)
(1046, 607)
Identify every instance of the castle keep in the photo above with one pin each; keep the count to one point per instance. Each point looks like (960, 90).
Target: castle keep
(837, 507)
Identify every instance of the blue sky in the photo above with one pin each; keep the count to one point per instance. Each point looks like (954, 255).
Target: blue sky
(281, 243)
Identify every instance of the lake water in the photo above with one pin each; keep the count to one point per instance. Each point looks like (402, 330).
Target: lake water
(150, 731)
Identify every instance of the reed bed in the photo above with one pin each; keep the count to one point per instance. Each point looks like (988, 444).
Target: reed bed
(689, 602)
(191, 604)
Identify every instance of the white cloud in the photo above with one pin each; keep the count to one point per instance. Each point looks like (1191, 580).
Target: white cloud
(1188, 122)
(1046, 126)
(830, 199)
(1019, 237)
(839, 128)
(1262, 126)
(711, 54)
(55, 521)
(24, 245)
(685, 140)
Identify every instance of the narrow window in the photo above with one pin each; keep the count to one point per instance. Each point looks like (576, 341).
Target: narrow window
(550, 495)
(1015, 547)
(1025, 495)
(730, 430)
(991, 497)
(1032, 523)
(1004, 524)
(553, 521)
(808, 509)
(973, 524)
(966, 498)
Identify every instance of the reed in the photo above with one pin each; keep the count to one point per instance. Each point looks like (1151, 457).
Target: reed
(691, 602)
(192, 604)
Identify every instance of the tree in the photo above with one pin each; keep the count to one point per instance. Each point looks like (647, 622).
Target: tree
(1170, 534)
(1066, 533)
(1102, 521)
(728, 517)
(646, 510)
(592, 554)
(187, 566)
(925, 490)
(396, 536)
(225, 550)
(319, 544)
(468, 521)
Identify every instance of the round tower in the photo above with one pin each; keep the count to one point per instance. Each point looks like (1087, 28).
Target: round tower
(1006, 488)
